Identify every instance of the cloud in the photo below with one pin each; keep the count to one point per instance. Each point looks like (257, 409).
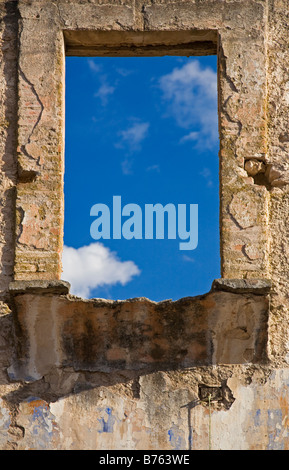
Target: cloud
(153, 168)
(188, 259)
(133, 136)
(190, 95)
(93, 66)
(105, 89)
(207, 174)
(124, 72)
(93, 266)
(126, 166)
(131, 140)
(103, 92)
(192, 136)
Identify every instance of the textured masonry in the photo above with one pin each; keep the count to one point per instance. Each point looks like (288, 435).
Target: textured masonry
(135, 374)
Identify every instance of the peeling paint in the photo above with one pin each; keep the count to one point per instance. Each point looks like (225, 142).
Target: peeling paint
(107, 424)
(176, 439)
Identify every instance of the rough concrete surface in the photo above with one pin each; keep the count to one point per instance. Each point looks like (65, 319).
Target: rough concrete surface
(135, 374)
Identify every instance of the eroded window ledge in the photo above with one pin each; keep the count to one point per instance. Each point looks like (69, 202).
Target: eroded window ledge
(228, 325)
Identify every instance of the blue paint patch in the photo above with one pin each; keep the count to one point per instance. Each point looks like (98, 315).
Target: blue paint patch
(275, 427)
(5, 419)
(42, 426)
(39, 413)
(107, 426)
(274, 417)
(175, 438)
(273, 445)
(257, 418)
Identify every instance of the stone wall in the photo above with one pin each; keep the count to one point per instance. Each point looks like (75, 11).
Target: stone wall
(135, 374)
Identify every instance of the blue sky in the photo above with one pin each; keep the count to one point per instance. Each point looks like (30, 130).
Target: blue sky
(144, 129)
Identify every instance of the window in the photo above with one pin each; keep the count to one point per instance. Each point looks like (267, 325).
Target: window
(144, 129)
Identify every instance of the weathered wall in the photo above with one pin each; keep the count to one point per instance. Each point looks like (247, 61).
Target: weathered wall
(79, 374)
(58, 330)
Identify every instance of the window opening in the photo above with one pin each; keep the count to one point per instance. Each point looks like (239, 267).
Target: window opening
(143, 129)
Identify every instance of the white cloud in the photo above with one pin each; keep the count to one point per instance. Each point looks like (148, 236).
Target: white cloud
(124, 72)
(126, 166)
(207, 174)
(188, 259)
(93, 266)
(93, 66)
(103, 93)
(131, 140)
(190, 93)
(191, 137)
(133, 136)
(153, 168)
(105, 89)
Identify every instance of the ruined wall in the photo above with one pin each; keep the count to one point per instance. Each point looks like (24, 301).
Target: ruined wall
(135, 374)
